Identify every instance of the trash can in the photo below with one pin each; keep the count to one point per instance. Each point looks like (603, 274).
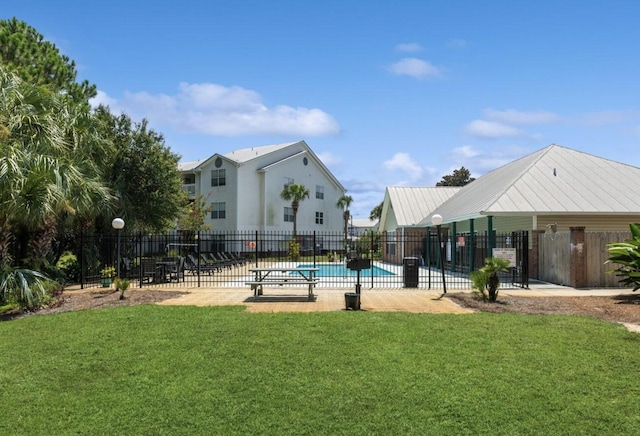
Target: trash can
(410, 272)
(352, 300)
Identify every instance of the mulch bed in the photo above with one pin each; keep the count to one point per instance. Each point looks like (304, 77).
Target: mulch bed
(619, 308)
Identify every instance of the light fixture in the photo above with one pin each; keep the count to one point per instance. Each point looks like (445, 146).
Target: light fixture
(118, 224)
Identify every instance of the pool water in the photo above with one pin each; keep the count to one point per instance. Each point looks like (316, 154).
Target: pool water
(341, 270)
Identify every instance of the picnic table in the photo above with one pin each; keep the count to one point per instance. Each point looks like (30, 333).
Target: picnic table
(282, 276)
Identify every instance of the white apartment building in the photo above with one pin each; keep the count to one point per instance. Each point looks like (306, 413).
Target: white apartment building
(244, 186)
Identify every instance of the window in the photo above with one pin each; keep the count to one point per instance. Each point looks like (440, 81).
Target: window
(391, 244)
(218, 177)
(319, 218)
(288, 181)
(218, 211)
(288, 214)
(320, 192)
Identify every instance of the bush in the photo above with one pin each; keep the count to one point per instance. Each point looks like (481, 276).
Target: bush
(294, 250)
(69, 265)
(27, 288)
(627, 255)
(486, 280)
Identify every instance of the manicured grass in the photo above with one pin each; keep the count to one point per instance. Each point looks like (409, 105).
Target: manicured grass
(190, 370)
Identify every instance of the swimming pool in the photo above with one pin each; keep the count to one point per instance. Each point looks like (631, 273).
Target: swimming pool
(341, 270)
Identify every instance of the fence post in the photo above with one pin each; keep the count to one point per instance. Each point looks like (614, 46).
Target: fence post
(534, 265)
(472, 246)
(454, 246)
(81, 260)
(491, 243)
(578, 270)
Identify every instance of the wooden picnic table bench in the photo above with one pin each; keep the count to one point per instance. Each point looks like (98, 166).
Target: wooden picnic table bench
(283, 276)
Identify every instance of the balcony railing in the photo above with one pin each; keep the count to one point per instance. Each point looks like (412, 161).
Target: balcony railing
(191, 189)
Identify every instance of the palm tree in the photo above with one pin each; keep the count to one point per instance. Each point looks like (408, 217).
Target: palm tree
(295, 193)
(486, 280)
(43, 174)
(343, 203)
(376, 212)
(40, 181)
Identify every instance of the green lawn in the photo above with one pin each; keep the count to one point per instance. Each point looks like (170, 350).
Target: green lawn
(190, 370)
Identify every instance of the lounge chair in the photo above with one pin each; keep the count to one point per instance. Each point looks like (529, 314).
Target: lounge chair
(192, 265)
(241, 260)
(225, 260)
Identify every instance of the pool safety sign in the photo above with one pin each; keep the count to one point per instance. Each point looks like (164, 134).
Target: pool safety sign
(506, 254)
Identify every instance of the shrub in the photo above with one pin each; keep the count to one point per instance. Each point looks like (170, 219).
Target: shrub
(486, 280)
(23, 286)
(294, 250)
(70, 266)
(627, 255)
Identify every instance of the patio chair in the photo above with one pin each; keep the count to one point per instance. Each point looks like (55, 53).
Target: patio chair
(176, 272)
(127, 271)
(148, 270)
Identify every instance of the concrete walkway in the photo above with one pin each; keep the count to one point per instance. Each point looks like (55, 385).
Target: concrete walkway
(282, 299)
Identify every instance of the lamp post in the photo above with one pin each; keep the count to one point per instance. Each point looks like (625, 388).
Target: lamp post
(437, 220)
(118, 224)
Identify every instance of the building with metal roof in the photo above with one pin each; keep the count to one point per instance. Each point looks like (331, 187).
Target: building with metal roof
(555, 186)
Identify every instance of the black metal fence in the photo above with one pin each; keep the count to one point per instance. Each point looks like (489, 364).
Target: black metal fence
(225, 259)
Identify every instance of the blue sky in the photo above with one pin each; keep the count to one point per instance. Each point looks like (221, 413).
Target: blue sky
(385, 92)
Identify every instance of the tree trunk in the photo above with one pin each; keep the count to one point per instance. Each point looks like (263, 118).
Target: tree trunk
(294, 206)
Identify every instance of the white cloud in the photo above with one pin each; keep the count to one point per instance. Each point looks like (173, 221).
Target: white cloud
(479, 161)
(411, 47)
(102, 98)
(212, 109)
(465, 152)
(491, 130)
(404, 163)
(415, 68)
(512, 116)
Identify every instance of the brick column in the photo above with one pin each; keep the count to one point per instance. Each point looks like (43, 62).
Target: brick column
(534, 255)
(578, 255)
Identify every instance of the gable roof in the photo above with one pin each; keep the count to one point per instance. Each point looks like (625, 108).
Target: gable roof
(240, 156)
(364, 223)
(246, 155)
(554, 180)
(411, 205)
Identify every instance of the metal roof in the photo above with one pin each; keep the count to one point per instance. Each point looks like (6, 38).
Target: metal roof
(246, 154)
(238, 156)
(411, 204)
(364, 223)
(554, 180)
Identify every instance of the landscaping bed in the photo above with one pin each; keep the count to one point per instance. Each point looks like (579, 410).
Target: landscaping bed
(618, 308)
